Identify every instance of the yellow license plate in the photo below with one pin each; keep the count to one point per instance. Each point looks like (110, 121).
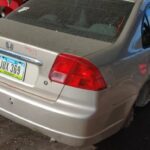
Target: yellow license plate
(12, 67)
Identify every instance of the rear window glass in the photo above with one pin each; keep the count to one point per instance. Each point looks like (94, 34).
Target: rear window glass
(97, 19)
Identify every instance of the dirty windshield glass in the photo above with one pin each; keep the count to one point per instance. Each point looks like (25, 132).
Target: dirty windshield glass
(97, 19)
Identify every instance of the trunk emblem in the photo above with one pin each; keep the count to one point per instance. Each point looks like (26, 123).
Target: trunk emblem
(9, 45)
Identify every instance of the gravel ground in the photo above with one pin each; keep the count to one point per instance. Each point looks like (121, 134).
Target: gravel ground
(136, 137)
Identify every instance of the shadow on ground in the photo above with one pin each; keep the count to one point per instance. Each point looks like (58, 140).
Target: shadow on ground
(136, 137)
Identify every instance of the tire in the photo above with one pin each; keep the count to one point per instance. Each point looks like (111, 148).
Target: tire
(144, 96)
(129, 118)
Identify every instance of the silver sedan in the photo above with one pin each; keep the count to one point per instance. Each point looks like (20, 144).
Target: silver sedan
(75, 69)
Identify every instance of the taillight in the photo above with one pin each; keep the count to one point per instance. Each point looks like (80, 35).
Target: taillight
(76, 72)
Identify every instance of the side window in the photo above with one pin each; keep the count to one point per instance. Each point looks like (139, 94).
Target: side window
(146, 28)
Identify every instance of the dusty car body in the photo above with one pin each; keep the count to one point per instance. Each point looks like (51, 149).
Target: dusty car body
(70, 76)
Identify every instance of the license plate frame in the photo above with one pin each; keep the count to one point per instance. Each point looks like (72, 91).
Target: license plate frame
(12, 67)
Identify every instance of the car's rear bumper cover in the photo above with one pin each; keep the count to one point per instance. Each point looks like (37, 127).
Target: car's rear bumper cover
(52, 119)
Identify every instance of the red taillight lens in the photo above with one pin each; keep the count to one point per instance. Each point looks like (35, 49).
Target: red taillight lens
(77, 72)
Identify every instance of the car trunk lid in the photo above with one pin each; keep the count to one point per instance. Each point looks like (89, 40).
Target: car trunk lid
(39, 48)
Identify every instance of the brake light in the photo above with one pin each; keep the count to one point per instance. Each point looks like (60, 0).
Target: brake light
(76, 72)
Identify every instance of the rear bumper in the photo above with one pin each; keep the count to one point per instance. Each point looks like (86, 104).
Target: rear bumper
(67, 125)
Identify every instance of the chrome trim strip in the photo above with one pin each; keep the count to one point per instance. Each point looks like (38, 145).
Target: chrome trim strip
(21, 57)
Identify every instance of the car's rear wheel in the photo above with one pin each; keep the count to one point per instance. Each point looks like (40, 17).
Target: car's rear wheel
(144, 96)
(129, 118)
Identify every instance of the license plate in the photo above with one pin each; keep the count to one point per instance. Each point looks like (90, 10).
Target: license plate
(12, 67)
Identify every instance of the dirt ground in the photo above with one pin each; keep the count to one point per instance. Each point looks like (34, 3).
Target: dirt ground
(136, 137)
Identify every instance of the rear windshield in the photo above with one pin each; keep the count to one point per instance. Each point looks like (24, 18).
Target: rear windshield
(97, 19)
